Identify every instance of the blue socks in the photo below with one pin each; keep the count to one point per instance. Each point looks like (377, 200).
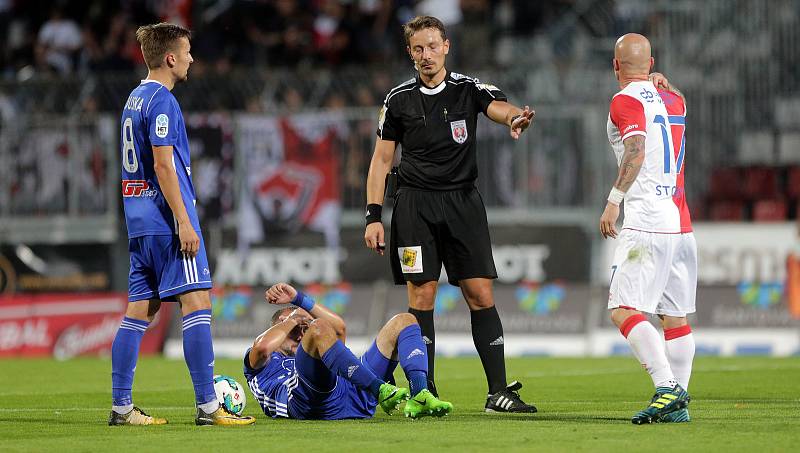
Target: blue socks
(413, 357)
(124, 354)
(199, 355)
(343, 362)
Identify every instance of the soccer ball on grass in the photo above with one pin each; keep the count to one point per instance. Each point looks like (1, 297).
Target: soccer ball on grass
(230, 393)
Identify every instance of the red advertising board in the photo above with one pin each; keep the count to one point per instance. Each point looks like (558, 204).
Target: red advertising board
(69, 325)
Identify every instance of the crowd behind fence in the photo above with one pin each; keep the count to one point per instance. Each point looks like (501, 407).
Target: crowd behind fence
(736, 61)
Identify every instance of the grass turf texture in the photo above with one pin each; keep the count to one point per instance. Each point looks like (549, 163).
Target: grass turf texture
(739, 404)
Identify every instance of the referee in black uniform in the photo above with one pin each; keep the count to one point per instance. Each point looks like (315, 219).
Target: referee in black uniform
(439, 215)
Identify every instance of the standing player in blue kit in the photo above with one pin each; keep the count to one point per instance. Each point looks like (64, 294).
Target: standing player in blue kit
(167, 255)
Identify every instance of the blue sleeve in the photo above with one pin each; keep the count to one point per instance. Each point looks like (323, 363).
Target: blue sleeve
(162, 120)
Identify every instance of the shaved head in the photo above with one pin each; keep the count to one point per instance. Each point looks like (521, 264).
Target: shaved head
(632, 57)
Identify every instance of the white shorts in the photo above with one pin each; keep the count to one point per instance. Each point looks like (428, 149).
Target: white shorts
(655, 273)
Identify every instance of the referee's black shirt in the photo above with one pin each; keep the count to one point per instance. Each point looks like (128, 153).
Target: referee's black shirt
(436, 127)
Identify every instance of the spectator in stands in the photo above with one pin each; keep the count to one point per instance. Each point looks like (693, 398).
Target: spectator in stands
(374, 34)
(58, 43)
(333, 34)
(114, 50)
(476, 19)
(283, 31)
(292, 101)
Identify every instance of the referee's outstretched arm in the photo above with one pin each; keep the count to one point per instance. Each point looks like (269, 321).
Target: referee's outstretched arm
(379, 167)
(515, 118)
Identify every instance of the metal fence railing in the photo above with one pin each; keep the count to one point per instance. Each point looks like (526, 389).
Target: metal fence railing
(58, 177)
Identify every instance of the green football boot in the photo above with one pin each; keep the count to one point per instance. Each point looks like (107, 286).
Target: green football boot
(391, 397)
(679, 416)
(425, 404)
(665, 401)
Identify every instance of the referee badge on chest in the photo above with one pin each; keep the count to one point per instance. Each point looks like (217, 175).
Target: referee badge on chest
(410, 259)
(459, 130)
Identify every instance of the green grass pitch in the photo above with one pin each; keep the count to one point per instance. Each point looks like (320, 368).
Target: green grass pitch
(739, 404)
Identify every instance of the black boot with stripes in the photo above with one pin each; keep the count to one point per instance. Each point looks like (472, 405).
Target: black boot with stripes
(508, 400)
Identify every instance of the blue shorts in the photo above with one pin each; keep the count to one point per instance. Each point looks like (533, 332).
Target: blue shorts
(159, 270)
(322, 395)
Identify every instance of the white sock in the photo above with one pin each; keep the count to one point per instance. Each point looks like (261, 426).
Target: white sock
(209, 407)
(648, 348)
(680, 353)
(122, 410)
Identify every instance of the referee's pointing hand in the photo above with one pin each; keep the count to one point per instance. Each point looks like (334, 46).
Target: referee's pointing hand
(522, 122)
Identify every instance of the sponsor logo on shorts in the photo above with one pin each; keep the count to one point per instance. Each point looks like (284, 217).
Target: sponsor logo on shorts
(459, 130)
(630, 128)
(410, 259)
(351, 370)
(137, 188)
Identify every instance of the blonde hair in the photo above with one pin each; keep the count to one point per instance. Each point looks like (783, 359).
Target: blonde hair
(157, 39)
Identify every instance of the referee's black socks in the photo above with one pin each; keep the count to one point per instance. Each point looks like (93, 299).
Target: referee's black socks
(425, 320)
(487, 334)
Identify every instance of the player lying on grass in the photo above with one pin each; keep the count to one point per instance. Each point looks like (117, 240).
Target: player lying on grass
(300, 368)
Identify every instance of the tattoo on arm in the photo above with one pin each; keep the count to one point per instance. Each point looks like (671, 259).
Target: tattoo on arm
(632, 160)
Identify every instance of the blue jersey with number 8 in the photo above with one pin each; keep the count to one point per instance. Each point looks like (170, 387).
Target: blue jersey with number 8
(152, 117)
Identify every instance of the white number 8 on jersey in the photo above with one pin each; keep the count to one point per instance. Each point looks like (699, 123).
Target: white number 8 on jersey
(130, 160)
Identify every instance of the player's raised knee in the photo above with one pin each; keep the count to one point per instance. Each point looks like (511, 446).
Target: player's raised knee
(403, 320)
(320, 328)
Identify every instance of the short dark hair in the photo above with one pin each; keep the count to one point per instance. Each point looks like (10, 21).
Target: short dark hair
(420, 23)
(278, 313)
(157, 39)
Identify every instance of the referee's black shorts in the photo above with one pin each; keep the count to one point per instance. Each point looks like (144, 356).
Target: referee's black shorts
(434, 227)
